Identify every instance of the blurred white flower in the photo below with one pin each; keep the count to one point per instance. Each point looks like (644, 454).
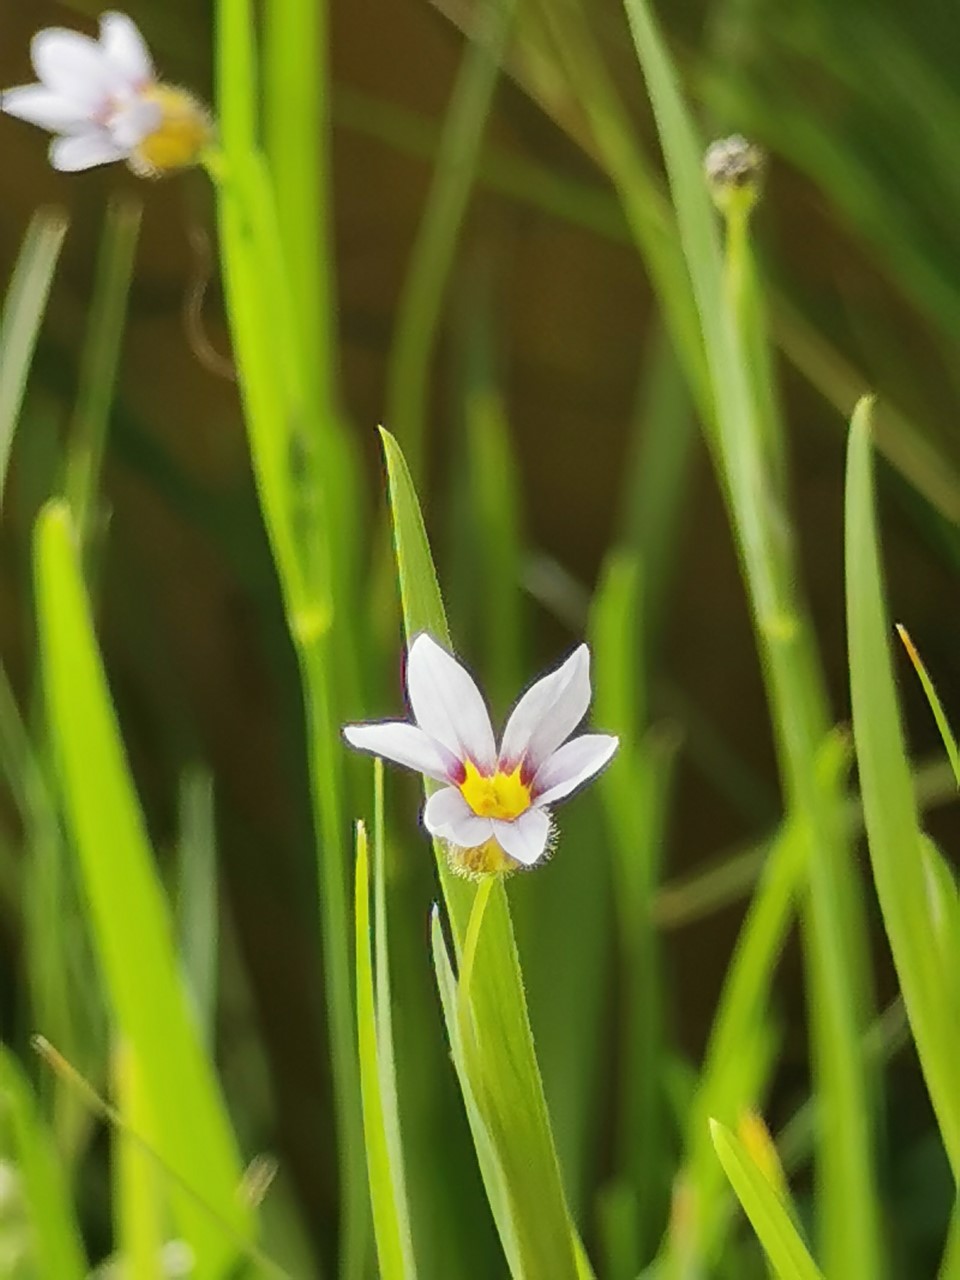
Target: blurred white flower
(103, 101)
(495, 802)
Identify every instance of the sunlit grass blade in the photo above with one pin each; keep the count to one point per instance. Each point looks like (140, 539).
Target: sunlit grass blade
(306, 491)
(100, 362)
(128, 916)
(511, 1100)
(297, 143)
(57, 1241)
(140, 1203)
(295, 84)
(763, 1206)
(384, 1170)
(943, 724)
(263, 323)
(893, 834)
(20, 319)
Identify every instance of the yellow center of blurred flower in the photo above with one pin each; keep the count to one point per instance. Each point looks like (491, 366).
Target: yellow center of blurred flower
(501, 795)
(185, 131)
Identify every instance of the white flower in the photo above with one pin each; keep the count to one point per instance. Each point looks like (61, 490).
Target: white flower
(103, 101)
(494, 800)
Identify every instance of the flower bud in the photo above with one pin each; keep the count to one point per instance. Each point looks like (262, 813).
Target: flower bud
(734, 172)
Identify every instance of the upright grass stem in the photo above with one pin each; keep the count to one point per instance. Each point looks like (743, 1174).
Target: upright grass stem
(298, 467)
(326, 792)
(798, 704)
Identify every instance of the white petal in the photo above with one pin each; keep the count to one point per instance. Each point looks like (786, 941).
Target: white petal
(547, 714)
(126, 48)
(444, 809)
(84, 151)
(404, 744)
(571, 766)
(525, 838)
(41, 106)
(77, 68)
(134, 122)
(469, 831)
(447, 704)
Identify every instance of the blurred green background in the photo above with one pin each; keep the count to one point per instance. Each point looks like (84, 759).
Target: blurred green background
(549, 324)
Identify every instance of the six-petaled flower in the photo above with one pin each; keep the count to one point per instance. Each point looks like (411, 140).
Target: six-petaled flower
(493, 810)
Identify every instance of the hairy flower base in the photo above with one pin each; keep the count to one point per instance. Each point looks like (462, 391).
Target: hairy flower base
(485, 860)
(184, 133)
(489, 859)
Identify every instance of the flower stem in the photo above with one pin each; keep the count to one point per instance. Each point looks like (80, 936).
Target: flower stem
(469, 953)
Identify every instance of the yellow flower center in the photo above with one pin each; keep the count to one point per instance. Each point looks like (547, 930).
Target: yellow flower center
(500, 795)
(184, 132)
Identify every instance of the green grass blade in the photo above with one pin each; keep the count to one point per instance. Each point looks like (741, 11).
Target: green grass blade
(295, 86)
(419, 588)
(100, 361)
(766, 1211)
(128, 916)
(649, 218)
(387, 1195)
(893, 833)
(737, 1062)
(944, 901)
(658, 480)
(305, 489)
(635, 796)
(498, 1193)
(266, 343)
(139, 1200)
(738, 1058)
(943, 724)
(847, 1198)
(493, 512)
(57, 1241)
(512, 1100)
(386, 1056)
(950, 1263)
(433, 252)
(21, 317)
(197, 895)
